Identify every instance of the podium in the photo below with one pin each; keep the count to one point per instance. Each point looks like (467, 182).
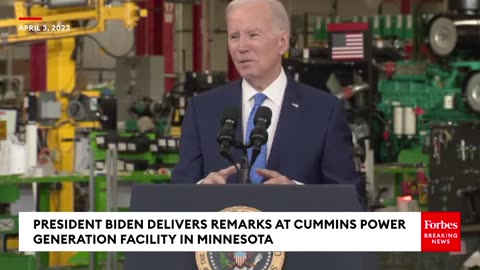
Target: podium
(265, 198)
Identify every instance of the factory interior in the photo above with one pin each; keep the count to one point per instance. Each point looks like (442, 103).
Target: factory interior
(93, 94)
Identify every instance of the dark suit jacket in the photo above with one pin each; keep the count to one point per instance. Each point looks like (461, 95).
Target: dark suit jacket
(312, 144)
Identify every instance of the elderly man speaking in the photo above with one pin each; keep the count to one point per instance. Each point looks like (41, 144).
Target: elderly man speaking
(309, 140)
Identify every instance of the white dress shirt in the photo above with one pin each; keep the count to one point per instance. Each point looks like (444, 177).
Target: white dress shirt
(275, 93)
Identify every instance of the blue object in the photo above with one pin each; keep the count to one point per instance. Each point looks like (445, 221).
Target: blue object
(261, 161)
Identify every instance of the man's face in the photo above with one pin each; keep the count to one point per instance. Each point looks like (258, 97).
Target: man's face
(254, 47)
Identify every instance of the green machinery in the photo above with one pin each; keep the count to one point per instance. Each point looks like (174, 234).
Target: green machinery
(137, 152)
(401, 32)
(439, 87)
(419, 95)
(439, 84)
(400, 26)
(432, 78)
(116, 158)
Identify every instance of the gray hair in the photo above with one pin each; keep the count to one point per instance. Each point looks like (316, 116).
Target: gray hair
(279, 13)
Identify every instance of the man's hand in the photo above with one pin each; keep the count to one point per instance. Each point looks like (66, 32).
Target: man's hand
(219, 177)
(274, 178)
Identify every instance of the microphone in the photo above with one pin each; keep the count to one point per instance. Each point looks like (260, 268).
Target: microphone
(226, 135)
(259, 134)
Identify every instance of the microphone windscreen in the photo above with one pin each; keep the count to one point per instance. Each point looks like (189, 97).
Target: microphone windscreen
(231, 113)
(263, 114)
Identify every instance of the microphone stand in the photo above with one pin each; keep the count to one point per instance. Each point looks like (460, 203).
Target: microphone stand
(244, 169)
(245, 165)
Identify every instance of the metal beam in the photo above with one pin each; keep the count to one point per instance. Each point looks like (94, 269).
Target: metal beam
(197, 38)
(38, 64)
(406, 7)
(168, 42)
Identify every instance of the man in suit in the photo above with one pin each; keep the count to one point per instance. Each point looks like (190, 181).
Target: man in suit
(309, 139)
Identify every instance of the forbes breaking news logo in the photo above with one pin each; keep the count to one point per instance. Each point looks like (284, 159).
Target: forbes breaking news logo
(441, 231)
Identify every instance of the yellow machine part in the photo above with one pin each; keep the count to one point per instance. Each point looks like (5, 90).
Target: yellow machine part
(61, 77)
(3, 130)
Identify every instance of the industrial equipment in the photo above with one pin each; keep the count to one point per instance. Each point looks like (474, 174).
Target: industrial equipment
(419, 93)
(58, 115)
(150, 107)
(438, 87)
(456, 31)
(456, 146)
(197, 83)
(426, 73)
(138, 78)
(417, 96)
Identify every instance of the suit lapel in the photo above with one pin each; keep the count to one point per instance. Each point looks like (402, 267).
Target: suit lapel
(287, 122)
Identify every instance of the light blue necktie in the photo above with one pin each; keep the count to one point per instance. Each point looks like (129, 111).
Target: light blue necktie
(261, 161)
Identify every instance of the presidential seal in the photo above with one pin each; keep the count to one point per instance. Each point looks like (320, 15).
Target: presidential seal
(240, 260)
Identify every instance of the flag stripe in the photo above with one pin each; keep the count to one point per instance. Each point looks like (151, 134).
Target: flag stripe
(348, 49)
(355, 44)
(354, 35)
(240, 260)
(352, 56)
(349, 52)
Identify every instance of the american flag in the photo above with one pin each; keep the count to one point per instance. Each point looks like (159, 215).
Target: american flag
(347, 46)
